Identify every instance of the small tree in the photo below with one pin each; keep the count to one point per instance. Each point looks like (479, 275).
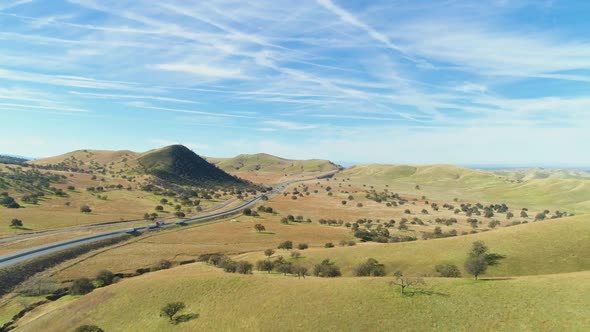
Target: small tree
(300, 271)
(479, 258)
(476, 265)
(159, 208)
(244, 267)
(81, 286)
(284, 267)
(247, 212)
(259, 227)
(264, 265)
(179, 214)
(16, 223)
(269, 252)
(171, 309)
(85, 209)
(405, 282)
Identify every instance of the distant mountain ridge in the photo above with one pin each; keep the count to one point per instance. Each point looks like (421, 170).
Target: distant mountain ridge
(10, 159)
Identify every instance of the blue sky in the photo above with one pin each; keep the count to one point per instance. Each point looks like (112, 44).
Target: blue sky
(462, 82)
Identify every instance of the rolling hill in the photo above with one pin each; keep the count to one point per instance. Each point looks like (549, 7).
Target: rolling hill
(176, 164)
(550, 189)
(263, 167)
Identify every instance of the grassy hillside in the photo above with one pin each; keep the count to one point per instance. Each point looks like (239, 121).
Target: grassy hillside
(446, 181)
(553, 246)
(92, 160)
(270, 163)
(260, 302)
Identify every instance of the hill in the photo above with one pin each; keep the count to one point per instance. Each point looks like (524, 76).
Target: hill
(546, 190)
(263, 167)
(230, 302)
(99, 161)
(176, 164)
(547, 247)
(180, 165)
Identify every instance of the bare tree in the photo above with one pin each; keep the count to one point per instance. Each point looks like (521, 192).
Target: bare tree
(405, 282)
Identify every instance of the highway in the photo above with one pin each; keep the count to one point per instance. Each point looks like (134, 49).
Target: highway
(24, 255)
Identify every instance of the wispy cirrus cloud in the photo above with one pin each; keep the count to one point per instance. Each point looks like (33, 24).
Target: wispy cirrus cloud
(200, 70)
(269, 67)
(290, 125)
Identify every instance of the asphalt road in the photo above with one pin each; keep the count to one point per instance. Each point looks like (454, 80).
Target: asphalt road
(24, 255)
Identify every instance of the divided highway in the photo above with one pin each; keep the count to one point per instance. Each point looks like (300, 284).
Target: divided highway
(24, 255)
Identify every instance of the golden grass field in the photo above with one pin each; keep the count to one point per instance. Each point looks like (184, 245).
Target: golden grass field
(261, 302)
(541, 285)
(547, 247)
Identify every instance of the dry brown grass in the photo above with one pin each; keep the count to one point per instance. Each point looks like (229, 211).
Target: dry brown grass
(230, 237)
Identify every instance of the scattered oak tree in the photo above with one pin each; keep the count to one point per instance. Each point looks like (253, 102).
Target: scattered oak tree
(171, 309)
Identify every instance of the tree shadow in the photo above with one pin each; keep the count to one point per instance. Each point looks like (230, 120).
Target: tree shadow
(185, 318)
(425, 292)
(21, 228)
(496, 279)
(265, 232)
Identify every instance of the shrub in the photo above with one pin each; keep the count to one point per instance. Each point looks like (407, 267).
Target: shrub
(283, 267)
(85, 209)
(286, 245)
(295, 254)
(329, 245)
(370, 268)
(104, 277)
(159, 208)
(269, 252)
(302, 246)
(179, 214)
(448, 271)
(228, 265)
(81, 286)
(326, 269)
(161, 265)
(247, 212)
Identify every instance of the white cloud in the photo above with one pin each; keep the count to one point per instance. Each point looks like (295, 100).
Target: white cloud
(290, 125)
(200, 70)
